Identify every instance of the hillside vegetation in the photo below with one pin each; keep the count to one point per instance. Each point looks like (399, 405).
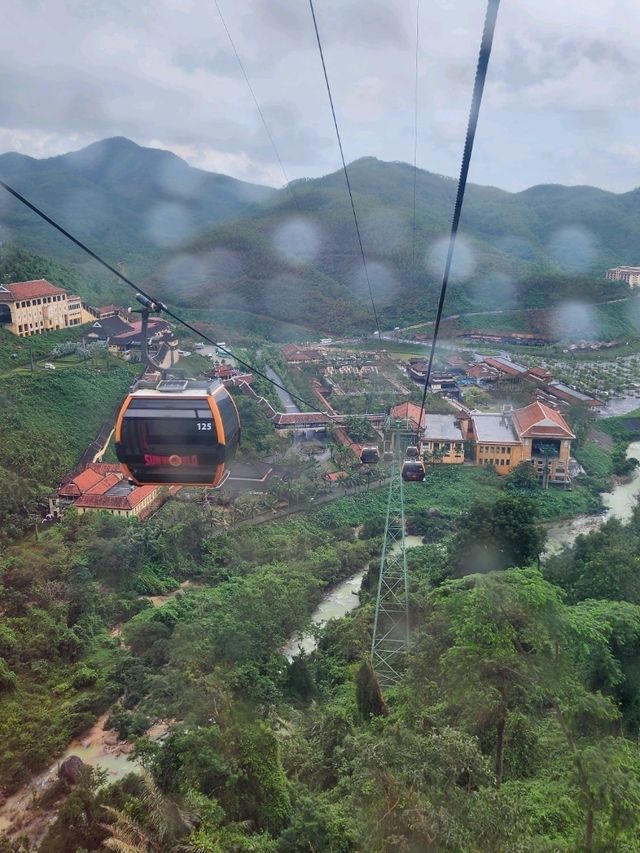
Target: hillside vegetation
(299, 262)
(126, 201)
(261, 261)
(513, 728)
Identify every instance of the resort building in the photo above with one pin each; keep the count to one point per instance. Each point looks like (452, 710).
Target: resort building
(33, 307)
(629, 274)
(535, 433)
(101, 486)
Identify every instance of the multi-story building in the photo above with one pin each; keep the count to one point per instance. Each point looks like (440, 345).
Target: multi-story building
(536, 433)
(33, 307)
(629, 274)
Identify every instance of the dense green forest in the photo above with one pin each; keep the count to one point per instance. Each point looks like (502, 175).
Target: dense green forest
(513, 729)
(48, 418)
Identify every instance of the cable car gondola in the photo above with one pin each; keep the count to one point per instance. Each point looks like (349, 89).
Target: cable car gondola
(412, 470)
(369, 455)
(180, 432)
(412, 452)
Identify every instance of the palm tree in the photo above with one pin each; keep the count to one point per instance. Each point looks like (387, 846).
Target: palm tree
(165, 822)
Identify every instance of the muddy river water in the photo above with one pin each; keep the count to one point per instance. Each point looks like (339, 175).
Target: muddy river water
(339, 601)
(619, 504)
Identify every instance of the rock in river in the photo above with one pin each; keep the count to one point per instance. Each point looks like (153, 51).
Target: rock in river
(71, 769)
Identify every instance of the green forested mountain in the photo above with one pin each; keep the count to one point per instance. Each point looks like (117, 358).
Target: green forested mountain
(252, 254)
(129, 202)
(297, 260)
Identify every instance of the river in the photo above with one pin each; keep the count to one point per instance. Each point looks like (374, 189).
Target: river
(285, 397)
(340, 600)
(343, 597)
(619, 503)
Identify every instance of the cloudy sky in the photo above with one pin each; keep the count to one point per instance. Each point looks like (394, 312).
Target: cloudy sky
(562, 102)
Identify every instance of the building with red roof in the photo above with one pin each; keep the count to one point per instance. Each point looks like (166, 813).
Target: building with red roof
(295, 354)
(408, 414)
(132, 338)
(536, 433)
(102, 486)
(32, 307)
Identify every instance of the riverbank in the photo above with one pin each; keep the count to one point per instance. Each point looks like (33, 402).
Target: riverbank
(337, 602)
(618, 503)
(97, 747)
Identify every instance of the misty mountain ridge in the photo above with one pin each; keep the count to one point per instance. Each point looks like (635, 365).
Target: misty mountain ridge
(126, 199)
(212, 242)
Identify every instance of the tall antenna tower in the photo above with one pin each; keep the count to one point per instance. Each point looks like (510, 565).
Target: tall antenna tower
(391, 623)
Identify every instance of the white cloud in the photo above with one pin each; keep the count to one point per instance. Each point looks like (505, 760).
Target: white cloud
(562, 98)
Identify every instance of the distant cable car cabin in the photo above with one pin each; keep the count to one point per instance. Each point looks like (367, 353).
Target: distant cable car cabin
(412, 470)
(370, 455)
(180, 432)
(412, 452)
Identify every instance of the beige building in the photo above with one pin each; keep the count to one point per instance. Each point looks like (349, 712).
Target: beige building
(536, 434)
(443, 440)
(629, 274)
(33, 307)
(102, 487)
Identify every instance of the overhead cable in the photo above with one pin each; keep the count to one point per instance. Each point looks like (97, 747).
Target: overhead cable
(258, 107)
(476, 100)
(346, 172)
(415, 141)
(147, 296)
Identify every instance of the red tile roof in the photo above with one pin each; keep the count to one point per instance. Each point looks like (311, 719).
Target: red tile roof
(29, 289)
(539, 421)
(91, 477)
(105, 468)
(104, 485)
(409, 412)
(342, 437)
(540, 372)
(481, 371)
(125, 502)
(501, 364)
(82, 483)
(334, 476)
(292, 352)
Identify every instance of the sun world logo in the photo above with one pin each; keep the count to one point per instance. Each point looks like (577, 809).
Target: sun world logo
(174, 460)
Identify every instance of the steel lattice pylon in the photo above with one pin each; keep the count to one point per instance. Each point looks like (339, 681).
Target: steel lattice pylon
(391, 622)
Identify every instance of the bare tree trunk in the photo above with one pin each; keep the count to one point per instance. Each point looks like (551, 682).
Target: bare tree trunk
(588, 832)
(500, 725)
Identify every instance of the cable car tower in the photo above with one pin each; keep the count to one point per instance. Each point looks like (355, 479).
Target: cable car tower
(391, 622)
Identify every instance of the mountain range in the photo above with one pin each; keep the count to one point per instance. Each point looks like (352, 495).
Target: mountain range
(242, 251)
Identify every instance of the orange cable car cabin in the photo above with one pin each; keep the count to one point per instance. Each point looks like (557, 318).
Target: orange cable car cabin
(177, 432)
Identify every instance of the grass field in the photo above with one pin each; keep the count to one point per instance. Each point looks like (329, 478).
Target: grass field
(453, 489)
